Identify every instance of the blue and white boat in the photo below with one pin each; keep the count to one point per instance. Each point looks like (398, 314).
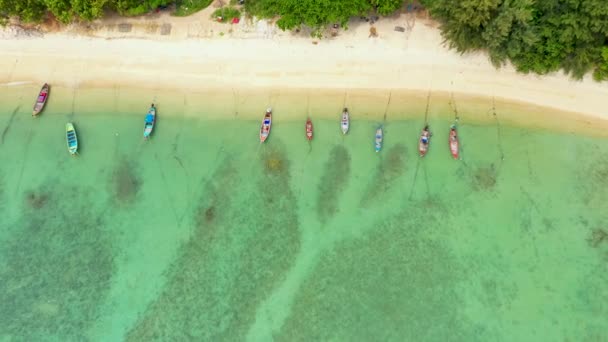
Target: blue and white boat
(149, 122)
(72, 139)
(379, 137)
(266, 125)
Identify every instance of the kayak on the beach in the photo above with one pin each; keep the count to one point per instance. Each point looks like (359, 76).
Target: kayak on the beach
(71, 138)
(41, 99)
(453, 142)
(425, 139)
(345, 123)
(379, 137)
(266, 124)
(309, 129)
(149, 121)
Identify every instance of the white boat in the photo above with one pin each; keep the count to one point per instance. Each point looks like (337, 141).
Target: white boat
(345, 121)
(71, 138)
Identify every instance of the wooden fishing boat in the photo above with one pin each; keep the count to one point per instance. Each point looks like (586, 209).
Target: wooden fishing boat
(266, 124)
(454, 142)
(309, 129)
(71, 138)
(345, 123)
(41, 99)
(149, 121)
(379, 138)
(425, 140)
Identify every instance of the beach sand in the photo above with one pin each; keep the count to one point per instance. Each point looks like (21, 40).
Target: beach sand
(194, 55)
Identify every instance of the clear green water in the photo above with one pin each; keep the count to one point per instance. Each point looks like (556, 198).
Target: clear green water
(203, 234)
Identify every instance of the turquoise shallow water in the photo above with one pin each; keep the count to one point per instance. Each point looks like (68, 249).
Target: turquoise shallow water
(204, 234)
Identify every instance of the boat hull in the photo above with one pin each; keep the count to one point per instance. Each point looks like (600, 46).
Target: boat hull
(453, 143)
(149, 122)
(266, 125)
(309, 129)
(379, 139)
(423, 147)
(71, 138)
(43, 96)
(345, 122)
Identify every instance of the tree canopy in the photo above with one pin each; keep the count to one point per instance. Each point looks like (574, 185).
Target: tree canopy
(293, 13)
(317, 13)
(68, 10)
(536, 36)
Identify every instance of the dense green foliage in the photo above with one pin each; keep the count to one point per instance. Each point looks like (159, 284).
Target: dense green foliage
(68, 10)
(317, 13)
(187, 7)
(27, 10)
(387, 7)
(536, 36)
(601, 72)
(136, 7)
(227, 13)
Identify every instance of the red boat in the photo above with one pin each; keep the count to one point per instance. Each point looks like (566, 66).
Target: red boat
(309, 129)
(41, 99)
(423, 143)
(453, 142)
(266, 123)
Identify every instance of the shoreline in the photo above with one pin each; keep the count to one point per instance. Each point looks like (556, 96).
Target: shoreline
(255, 61)
(292, 105)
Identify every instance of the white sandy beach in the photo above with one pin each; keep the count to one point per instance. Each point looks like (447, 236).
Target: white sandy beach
(197, 53)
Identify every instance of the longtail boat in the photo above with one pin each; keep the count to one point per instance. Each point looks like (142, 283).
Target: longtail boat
(149, 121)
(266, 124)
(425, 139)
(345, 123)
(309, 129)
(71, 138)
(41, 99)
(379, 138)
(454, 142)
